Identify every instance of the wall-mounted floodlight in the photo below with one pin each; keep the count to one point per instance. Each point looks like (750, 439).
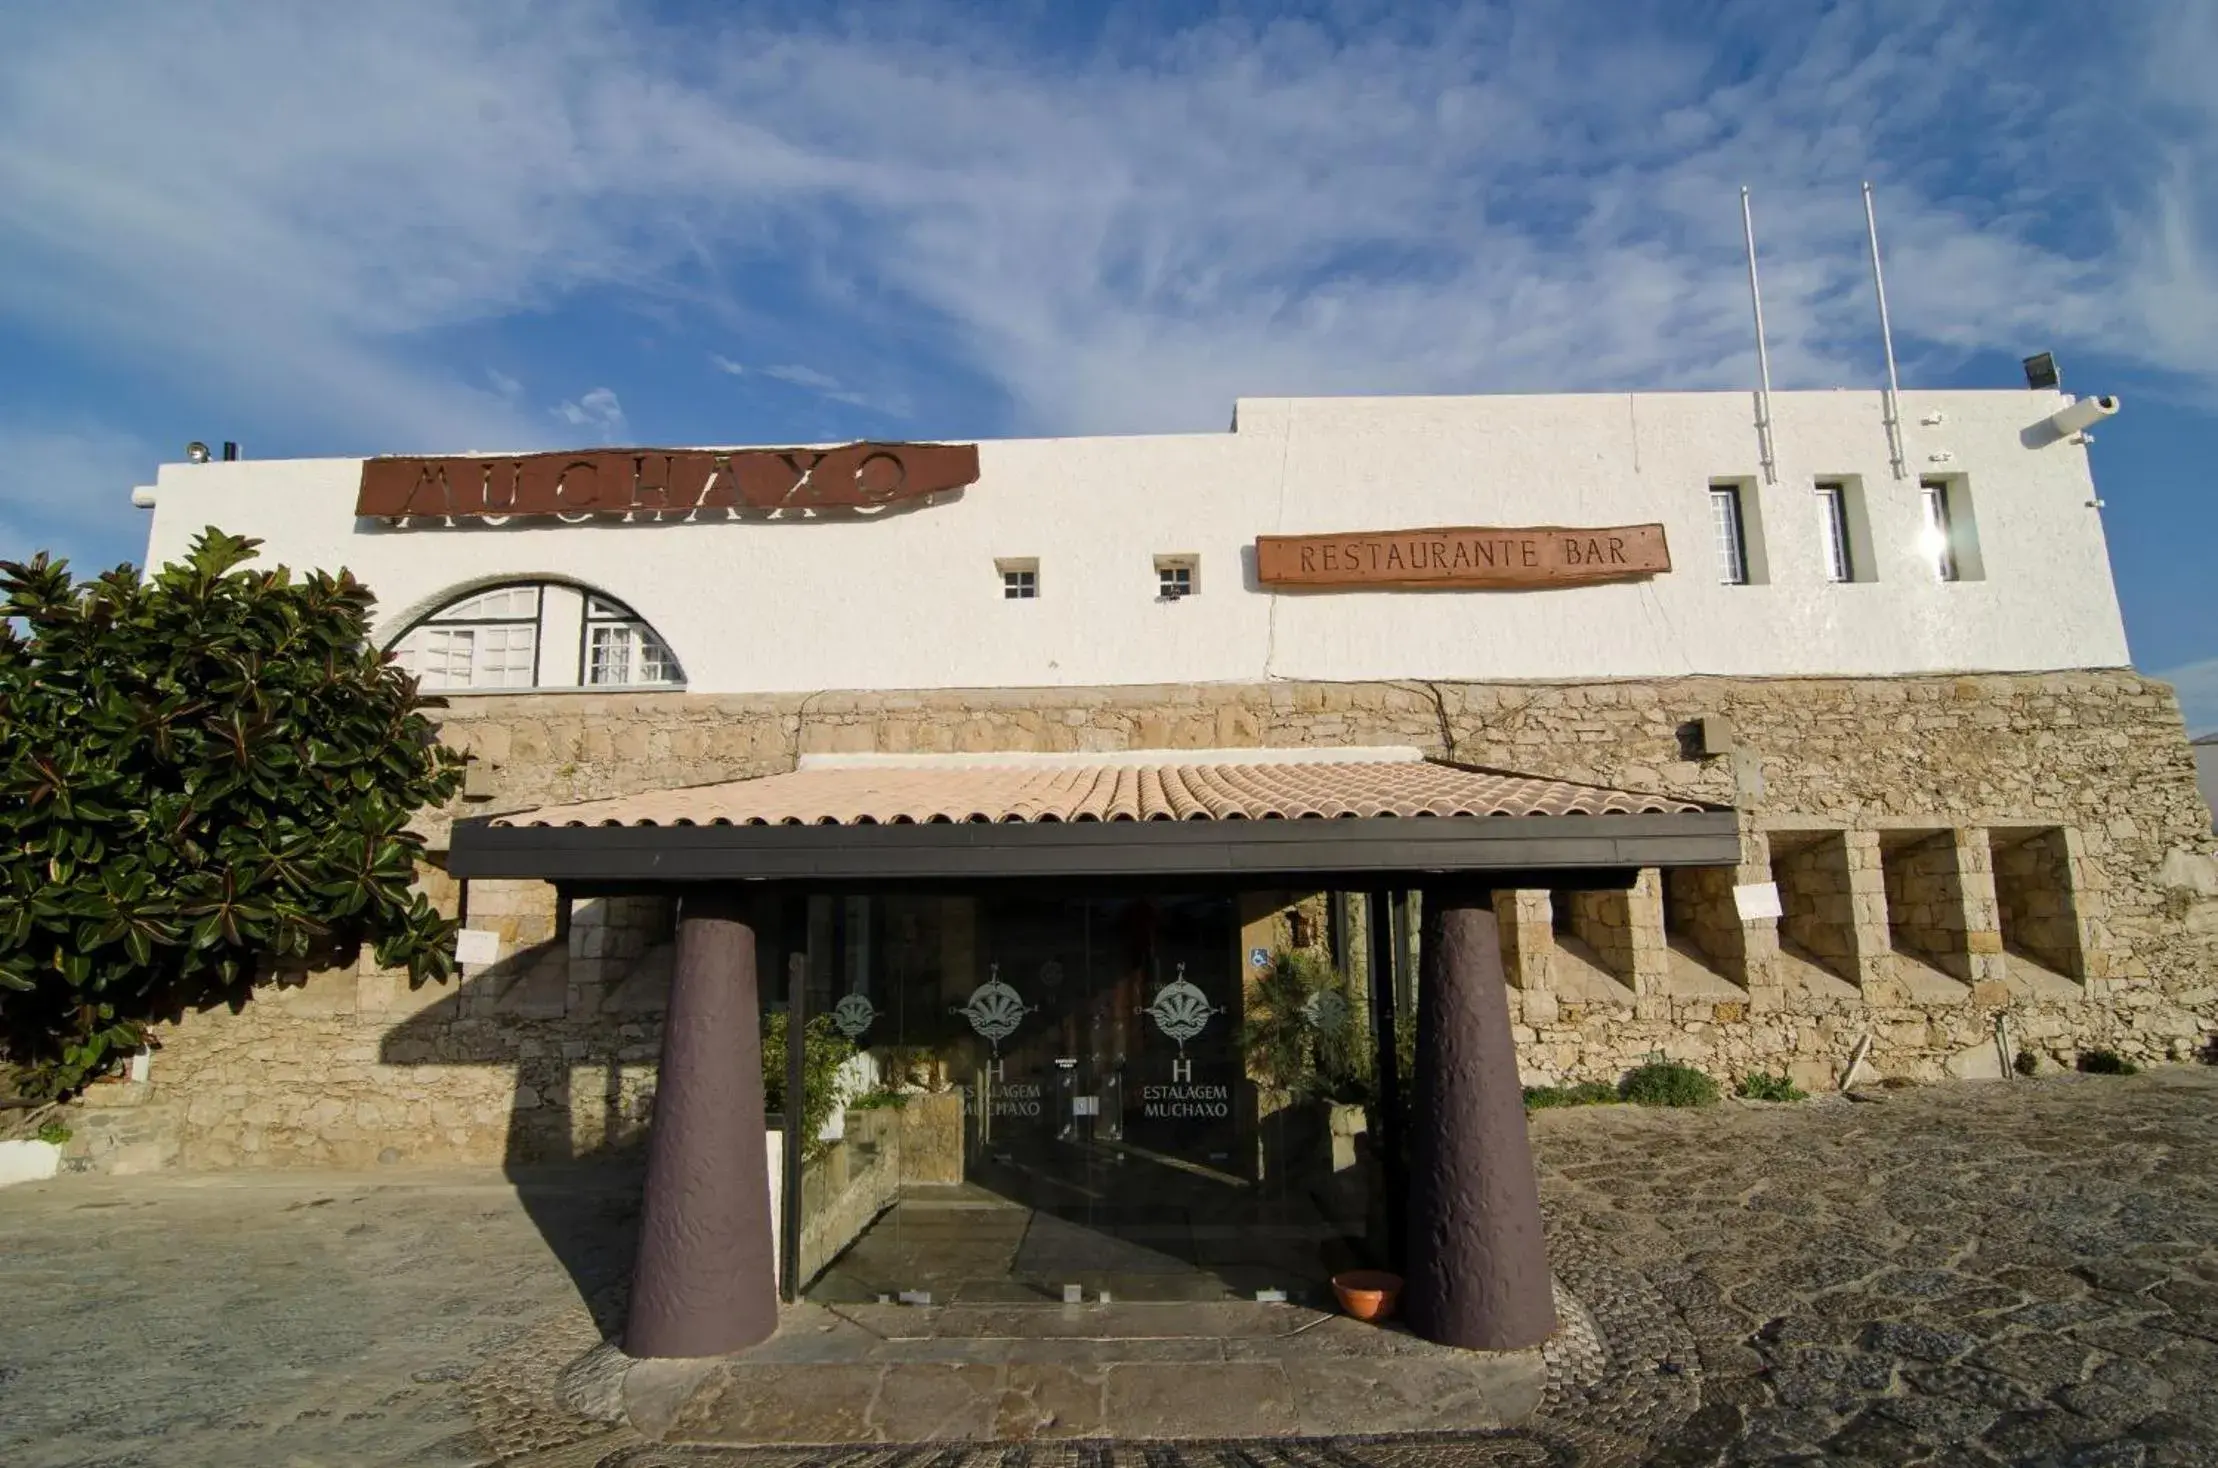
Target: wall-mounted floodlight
(2040, 371)
(196, 452)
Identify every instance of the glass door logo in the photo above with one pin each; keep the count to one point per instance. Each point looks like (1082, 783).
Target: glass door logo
(995, 1011)
(853, 1014)
(1182, 1011)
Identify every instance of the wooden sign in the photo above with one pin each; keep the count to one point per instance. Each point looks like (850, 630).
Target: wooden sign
(1462, 557)
(624, 481)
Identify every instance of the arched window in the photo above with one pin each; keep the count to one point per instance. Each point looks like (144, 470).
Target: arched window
(539, 634)
(622, 649)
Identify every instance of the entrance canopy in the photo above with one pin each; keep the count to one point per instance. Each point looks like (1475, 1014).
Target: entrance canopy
(1141, 813)
(1059, 957)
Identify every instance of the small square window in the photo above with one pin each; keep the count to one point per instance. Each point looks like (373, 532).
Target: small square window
(1177, 577)
(1020, 585)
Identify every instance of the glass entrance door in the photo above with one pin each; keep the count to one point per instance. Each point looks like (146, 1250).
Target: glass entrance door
(1112, 1112)
(1033, 1098)
(1049, 1092)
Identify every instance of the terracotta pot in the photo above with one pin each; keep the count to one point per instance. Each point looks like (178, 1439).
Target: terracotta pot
(1368, 1294)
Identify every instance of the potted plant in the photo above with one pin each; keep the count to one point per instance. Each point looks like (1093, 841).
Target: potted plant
(825, 1055)
(1305, 1048)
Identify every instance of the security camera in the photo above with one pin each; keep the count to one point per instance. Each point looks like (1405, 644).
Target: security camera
(2083, 414)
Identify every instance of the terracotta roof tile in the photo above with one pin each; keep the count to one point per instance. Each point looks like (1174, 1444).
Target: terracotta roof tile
(1212, 789)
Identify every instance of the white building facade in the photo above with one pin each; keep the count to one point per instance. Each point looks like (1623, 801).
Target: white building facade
(1894, 653)
(1985, 554)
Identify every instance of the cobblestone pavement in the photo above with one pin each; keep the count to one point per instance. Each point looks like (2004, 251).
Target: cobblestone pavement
(2020, 1273)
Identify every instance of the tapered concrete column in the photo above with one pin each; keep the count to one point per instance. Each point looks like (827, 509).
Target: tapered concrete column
(705, 1281)
(1478, 1267)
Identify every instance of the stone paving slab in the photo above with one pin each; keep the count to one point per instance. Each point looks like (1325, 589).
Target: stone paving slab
(2008, 1273)
(1117, 1321)
(277, 1318)
(873, 1374)
(1127, 1400)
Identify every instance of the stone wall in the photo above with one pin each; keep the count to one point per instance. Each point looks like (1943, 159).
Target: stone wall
(1608, 923)
(2079, 778)
(2033, 879)
(1822, 917)
(1699, 912)
(1925, 900)
(546, 1056)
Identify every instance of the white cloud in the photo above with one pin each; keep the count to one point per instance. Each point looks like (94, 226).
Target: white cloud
(596, 409)
(824, 385)
(508, 387)
(2197, 687)
(801, 376)
(725, 364)
(1120, 238)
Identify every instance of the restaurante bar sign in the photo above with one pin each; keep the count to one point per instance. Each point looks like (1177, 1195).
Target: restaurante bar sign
(856, 476)
(1462, 557)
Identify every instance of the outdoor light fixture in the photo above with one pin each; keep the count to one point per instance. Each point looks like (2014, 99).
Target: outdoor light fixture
(2040, 371)
(196, 452)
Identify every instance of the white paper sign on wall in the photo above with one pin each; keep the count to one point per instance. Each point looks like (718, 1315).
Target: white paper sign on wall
(476, 946)
(1755, 900)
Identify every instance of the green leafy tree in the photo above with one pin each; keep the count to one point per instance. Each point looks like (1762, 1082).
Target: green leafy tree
(205, 778)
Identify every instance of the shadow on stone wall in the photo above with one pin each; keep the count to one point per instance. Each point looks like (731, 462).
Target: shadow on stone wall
(581, 1089)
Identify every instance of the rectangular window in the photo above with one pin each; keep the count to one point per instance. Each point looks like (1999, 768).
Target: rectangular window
(655, 663)
(504, 656)
(1938, 540)
(618, 649)
(1732, 545)
(1840, 562)
(447, 656)
(610, 660)
(1177, 577)
(493, 656)
(627, 653)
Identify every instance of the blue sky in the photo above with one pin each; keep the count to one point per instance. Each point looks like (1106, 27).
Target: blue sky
(326, 229)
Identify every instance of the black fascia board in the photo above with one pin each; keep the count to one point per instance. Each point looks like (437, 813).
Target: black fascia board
(1555, 879)
(1346, 846)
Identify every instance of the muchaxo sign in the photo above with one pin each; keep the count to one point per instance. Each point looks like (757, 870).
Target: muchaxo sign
(857, 476)
(1462, 557)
